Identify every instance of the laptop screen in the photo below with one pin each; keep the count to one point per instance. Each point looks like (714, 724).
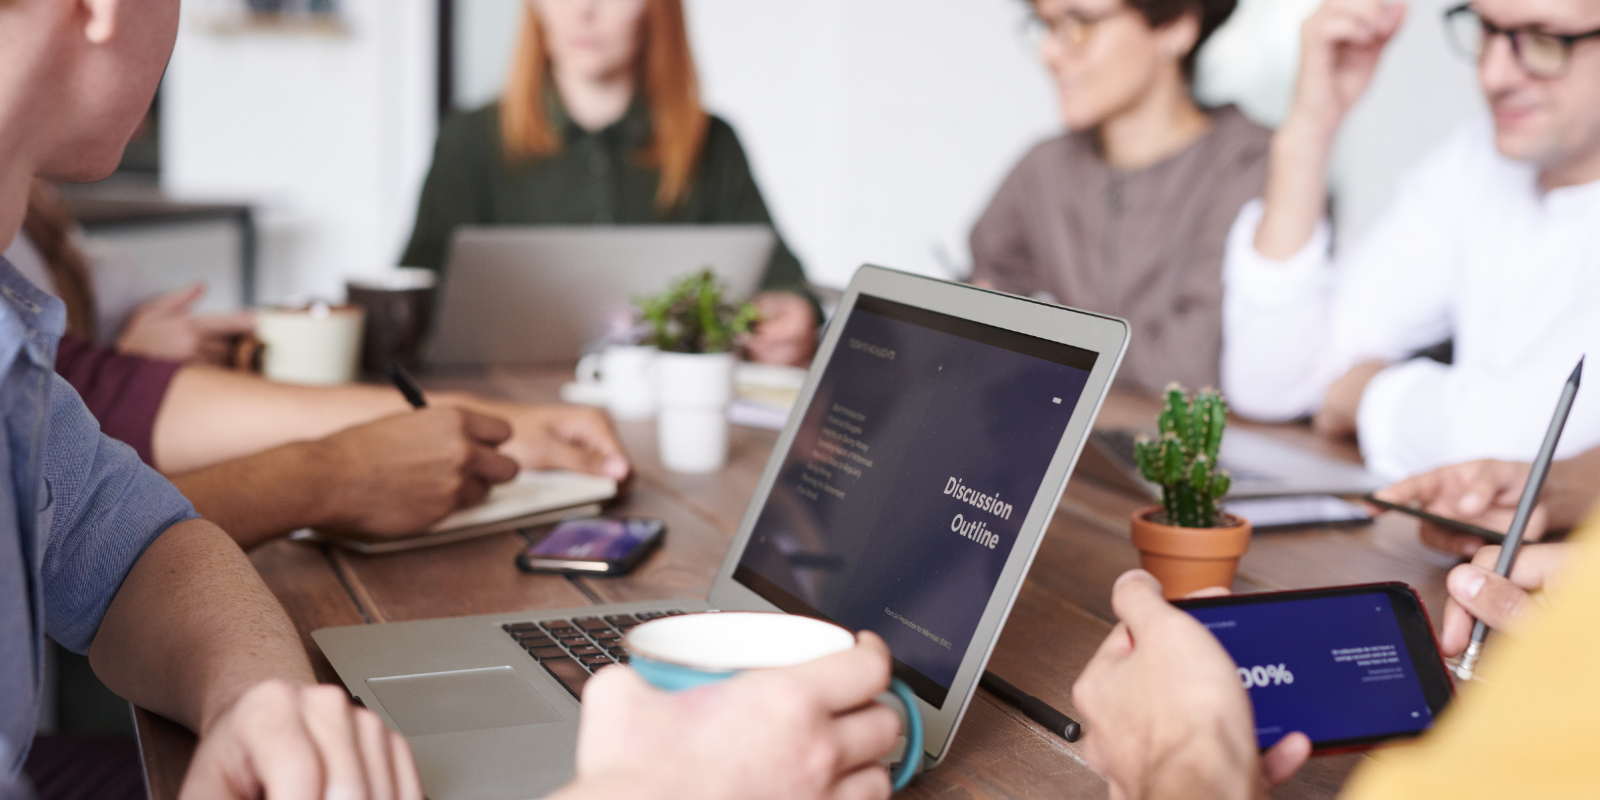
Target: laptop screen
(908, 480)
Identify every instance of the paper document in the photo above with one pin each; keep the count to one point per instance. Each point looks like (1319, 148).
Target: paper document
(532, 498)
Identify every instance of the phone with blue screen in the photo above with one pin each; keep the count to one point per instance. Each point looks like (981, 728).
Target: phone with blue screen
(593, 546)
(1349, 666)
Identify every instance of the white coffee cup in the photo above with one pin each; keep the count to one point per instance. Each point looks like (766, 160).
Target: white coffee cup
(626, 375)
(320, 344)
(692, 424)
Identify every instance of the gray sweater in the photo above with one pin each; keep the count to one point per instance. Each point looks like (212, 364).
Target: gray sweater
(1145, 245)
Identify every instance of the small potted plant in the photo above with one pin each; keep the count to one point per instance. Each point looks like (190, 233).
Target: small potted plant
(696, 328)
(1188, 542)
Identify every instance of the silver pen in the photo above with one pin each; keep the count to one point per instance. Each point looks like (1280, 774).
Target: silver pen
(1519, 523)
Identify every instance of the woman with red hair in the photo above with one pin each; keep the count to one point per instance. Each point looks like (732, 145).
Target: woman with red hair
(601, 123)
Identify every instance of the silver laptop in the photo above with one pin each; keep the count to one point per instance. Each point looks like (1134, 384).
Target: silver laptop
(540, 294)
(1261, 466)
(936, 431)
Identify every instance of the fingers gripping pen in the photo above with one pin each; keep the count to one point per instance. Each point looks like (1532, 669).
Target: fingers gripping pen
(1519, 523)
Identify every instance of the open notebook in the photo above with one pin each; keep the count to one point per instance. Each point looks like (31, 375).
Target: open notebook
(532, 498)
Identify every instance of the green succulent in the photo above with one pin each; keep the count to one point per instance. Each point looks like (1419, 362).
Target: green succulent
(1182, 458)
(694, 316)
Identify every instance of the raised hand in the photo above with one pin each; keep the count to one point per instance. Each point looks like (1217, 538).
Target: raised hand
(1339, 49)
(1340, 46)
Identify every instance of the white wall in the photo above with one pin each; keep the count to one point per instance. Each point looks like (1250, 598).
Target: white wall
(877, 129)
(328, 135)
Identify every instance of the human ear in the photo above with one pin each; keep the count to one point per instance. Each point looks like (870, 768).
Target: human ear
(102, 20)
(1178, 37)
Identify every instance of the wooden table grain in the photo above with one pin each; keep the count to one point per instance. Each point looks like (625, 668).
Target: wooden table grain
(1060, 617)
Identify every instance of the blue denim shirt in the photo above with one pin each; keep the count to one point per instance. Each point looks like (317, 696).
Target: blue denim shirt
(77, 509)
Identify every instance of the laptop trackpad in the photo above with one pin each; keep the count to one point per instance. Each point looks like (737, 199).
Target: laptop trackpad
(465, 700)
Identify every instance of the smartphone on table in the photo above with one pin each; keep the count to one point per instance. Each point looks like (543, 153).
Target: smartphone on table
(1297, 511)
(1349, 666)
(593, 546)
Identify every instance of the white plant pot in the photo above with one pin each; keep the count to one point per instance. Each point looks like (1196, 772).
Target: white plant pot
(694, 390)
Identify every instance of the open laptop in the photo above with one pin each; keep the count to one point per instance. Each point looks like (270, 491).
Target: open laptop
(1260, 465)
(540, 293)
(935, 433)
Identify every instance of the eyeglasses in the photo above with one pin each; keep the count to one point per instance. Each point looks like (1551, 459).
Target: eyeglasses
(1071, 29)
(1539, 53)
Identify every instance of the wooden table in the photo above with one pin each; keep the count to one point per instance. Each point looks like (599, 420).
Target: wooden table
(1060, 617)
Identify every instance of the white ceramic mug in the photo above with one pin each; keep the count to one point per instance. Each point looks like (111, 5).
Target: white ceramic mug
(692, 425)
(626, 375)
(320, 344)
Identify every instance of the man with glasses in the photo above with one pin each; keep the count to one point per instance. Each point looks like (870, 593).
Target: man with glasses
(1493, 241)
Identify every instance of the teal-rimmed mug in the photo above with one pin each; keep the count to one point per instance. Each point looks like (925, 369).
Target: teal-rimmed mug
(689, 650)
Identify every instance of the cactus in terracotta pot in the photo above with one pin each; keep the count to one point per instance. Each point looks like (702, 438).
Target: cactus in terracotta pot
(1182, 458)
(1188, 542)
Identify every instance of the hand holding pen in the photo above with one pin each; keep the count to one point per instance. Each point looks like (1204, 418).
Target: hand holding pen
(1530, 498)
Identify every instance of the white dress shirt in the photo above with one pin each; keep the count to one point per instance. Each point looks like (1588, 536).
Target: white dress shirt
(1470, 248)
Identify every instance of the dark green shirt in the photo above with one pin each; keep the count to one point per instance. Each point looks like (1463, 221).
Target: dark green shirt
(594, 180)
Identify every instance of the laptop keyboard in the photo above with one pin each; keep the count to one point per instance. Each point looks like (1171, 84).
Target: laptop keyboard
(572, 649)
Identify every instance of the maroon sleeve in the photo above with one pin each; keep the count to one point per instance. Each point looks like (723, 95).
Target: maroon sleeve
(123, 392)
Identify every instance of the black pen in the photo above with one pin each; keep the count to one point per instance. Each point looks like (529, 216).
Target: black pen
(1032, 707)
(1519, 523)
(407, 386)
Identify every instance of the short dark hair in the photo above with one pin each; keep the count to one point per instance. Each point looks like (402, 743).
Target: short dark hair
(1210, 14)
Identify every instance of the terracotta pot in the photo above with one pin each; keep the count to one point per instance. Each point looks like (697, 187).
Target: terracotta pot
(1186, 559)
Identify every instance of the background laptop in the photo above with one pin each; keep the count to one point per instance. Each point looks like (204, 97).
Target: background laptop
(936, 430)
(539, 293)
(1260, 465)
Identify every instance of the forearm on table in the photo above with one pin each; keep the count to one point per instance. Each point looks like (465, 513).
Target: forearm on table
(212, 415)
(263, 496)
(193, 627)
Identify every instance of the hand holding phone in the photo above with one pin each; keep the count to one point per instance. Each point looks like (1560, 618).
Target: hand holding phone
(593, 546)
(1455, 525)
(1472, 503)
(1349, 666)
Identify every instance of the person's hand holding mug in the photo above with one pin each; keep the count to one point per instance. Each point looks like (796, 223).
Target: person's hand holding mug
(1165, 712)
(796, 733)
(167, 328)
